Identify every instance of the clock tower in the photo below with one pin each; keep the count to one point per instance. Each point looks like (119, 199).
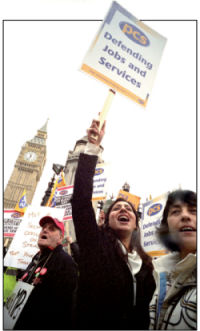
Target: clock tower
(27, 170)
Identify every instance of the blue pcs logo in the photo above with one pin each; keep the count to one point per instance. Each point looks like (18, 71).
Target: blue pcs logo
(133, 33)
(98, 171)
(22, 202)
(154, 209)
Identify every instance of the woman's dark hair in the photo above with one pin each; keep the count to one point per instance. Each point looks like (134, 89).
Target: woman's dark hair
(135, 238)
(184, 196)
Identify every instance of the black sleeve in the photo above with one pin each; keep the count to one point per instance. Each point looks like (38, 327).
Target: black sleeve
(87, 231)
(145, 290)
(75, 252)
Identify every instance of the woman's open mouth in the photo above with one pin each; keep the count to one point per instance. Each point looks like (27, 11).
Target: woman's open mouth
(187, 229)
(123, 218)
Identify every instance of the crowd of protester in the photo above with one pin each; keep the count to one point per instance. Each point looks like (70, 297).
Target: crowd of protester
(109, 282)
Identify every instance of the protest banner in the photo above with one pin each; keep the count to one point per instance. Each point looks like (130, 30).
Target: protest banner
(134, 199)
(61, 200)
(125, 54)
(15, 304)
(12, 220)
(100, 180)
(151, 218)
(24, 244)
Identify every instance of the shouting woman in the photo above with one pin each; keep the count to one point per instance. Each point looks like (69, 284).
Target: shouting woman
(116, 282)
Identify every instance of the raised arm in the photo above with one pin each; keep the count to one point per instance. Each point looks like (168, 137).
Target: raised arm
(87, 231)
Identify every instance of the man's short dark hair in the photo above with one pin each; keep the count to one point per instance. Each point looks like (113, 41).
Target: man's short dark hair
(184, 196)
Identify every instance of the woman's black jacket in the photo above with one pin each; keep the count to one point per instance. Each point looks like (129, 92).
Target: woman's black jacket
(105, 293)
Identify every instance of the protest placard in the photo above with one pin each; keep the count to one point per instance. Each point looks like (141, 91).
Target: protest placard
(15, 304)
(125, 54)
(151, 218)
(24, 244)
(63, 194)
(62, 198)
(12, 220)
(100, 181)
(134, 199)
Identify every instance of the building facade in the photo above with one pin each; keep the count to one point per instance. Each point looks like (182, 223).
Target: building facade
(72, 160)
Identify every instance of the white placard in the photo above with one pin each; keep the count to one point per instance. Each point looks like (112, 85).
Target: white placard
(12, 220)
(125, 54)
(61, 200)
(24, 245)
(151, 219)
(100, 181)
(15, 304)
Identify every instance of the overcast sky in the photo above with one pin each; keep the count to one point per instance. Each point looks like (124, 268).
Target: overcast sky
(153, 149)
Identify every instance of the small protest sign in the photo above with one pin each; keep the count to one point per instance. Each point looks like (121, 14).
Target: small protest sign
(100, 181)
(15, 304)
(12, 220)
(62, 198)
(151, 218)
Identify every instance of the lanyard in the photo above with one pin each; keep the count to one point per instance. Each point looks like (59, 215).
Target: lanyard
(34, 268)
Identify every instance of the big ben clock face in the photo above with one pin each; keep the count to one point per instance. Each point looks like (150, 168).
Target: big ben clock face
(30, 156)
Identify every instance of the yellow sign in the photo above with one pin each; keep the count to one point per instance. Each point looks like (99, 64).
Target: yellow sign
(134, 199)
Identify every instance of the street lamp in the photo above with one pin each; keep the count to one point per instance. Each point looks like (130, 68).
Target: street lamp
(57, 168)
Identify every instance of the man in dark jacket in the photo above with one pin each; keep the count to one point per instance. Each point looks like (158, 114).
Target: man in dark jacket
(54, 276)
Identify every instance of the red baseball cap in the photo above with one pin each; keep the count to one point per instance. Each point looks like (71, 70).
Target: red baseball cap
(57, 223)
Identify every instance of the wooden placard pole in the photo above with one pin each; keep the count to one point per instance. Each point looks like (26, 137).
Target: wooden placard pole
(104, 112)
